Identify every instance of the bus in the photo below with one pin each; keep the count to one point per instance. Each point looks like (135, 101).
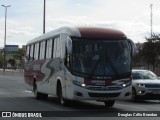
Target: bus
(80, 63)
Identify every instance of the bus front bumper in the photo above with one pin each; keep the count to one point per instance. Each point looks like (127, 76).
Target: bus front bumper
(81, 93)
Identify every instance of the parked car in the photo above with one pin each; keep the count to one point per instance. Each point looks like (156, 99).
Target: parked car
(145, 85)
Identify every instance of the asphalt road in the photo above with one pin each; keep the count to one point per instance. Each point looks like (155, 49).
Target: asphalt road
(14, 97)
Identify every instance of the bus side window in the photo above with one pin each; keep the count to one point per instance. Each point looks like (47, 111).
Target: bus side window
(36, 51)
(57, 48)
(49, 49)
(32, 52)
(42, 50)
(27, 53)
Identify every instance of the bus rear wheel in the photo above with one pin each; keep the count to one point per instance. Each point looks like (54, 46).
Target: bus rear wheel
(38, 95)
(109, 103)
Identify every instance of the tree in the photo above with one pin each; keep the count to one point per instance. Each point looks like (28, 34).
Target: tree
(137, 59)
(20, 54)
(151, 50)
(1, 60)
(12, 62)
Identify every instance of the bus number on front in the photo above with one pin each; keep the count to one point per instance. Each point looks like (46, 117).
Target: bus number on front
(98, 82)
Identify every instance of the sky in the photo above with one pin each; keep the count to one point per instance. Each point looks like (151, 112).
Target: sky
(25, 17)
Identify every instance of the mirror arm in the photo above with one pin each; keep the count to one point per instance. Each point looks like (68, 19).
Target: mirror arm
(133, 47)
(69, 46)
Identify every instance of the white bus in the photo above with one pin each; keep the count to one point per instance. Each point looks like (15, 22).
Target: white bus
(80, 63)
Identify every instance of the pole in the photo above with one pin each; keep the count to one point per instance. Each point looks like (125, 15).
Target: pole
(44, 16)
(5, 40)
(4, 63)
(151, 18)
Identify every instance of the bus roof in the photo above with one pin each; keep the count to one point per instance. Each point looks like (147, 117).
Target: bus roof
(84, 32)
(105, 33)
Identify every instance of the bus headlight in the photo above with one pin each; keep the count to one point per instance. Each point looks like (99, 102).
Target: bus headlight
(126, 84)
(79, 84)
(83, 85)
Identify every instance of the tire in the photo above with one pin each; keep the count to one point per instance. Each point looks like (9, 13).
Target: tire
(38, 95)
(61, 99)
(134, 95)
(109, 103)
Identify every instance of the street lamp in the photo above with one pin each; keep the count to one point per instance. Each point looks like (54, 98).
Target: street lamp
(5, 35)
(44, 12)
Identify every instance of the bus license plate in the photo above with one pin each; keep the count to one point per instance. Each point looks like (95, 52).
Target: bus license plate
(103, 99)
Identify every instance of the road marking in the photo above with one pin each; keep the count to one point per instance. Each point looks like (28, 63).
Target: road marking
(27, 91)
(132, 106)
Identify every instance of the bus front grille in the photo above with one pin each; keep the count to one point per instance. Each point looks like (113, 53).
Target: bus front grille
(109, 95)
(103, 88)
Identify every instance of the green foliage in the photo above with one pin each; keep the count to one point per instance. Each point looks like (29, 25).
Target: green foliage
(151, 50)
(138, 57)
(12, 62)
(155, 38)
(20, 54)
(1, 60)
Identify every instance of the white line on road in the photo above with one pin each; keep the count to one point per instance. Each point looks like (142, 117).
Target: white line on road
(132, 106)
(27, 91)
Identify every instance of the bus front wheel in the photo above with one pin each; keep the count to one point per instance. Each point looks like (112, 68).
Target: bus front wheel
(61, 99)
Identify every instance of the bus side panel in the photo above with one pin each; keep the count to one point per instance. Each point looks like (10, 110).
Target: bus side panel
(45, 73)
(69, 85)
(32, 72)
(53, 69)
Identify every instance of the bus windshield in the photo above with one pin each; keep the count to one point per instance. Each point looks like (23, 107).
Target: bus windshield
(101, 57)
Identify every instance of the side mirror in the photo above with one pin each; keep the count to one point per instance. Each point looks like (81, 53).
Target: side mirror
(69, 46)
(133, 47)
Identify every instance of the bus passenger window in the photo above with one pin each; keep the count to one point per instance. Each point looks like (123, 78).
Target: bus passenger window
(42, 50)
(36, 51)
(49, 49)
(32, 52)
(27, 53)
